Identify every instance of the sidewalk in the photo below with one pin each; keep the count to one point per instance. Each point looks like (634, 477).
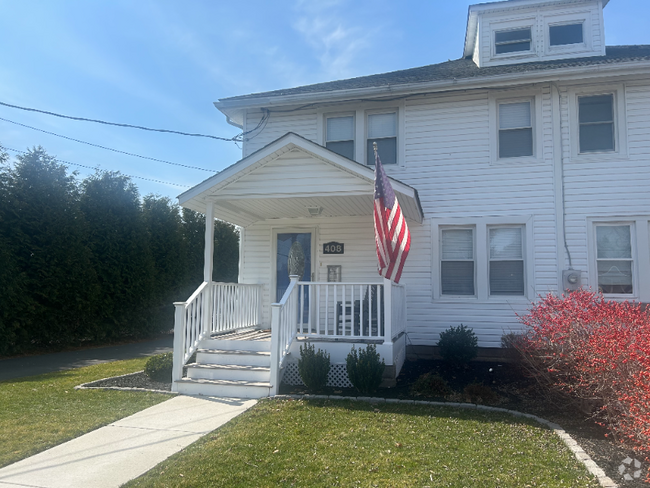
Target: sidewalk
(59, 361)
(110, 456)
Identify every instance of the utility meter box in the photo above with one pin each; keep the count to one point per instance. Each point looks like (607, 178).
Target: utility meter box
(571, 279)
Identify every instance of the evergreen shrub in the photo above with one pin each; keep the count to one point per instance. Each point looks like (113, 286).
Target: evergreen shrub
(365, 370)
(313, 367)
(458, 345)
(159, 367)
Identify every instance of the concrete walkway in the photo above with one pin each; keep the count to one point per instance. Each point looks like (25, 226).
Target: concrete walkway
(126, 449)
(48, 363)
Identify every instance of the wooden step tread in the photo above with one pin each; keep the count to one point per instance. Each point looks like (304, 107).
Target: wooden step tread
(234, 351)
(263, 384)
(229, 366)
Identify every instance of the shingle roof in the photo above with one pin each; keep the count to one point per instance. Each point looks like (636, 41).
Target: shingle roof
(458, 69)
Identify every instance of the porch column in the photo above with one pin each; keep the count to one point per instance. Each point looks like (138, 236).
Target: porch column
(388, 311)
(208, 257)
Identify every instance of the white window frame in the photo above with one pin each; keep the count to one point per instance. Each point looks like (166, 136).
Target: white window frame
(361, 113)
(481, 258)
(523, 257)
(473, 260)
(620, 122)
(640, 240)
(535, 99)
(512, 25)
(576, 17)
(397, 138)
(354, 128)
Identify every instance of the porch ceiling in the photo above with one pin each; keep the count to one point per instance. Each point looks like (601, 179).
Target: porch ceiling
(287, 178)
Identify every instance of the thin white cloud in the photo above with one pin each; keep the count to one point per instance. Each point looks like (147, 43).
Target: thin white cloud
(329, 31)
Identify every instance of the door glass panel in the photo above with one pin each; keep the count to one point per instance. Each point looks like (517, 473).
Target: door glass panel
(284, 243)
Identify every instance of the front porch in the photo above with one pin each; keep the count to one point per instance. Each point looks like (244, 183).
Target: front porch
(291, 193)
(226, 349)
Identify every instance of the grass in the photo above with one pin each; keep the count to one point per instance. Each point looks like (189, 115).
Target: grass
(345, 443)
(38, 412)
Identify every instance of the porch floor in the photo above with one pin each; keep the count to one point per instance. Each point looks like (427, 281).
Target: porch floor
(245, 335)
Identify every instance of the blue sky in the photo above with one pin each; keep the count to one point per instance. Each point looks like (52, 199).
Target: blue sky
(162, 63)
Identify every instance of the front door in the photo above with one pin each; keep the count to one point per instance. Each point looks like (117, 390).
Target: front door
(284, 243)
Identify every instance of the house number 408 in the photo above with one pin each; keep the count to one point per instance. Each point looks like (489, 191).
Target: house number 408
(333, 248)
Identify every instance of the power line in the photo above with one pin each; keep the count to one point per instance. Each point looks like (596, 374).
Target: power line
(83, 119)
(97, 167)
(104, 147)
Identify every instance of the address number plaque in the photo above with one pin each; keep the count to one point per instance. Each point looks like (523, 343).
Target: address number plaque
(333, 248)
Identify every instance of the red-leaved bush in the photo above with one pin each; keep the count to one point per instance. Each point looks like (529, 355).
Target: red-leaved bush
(595, 350)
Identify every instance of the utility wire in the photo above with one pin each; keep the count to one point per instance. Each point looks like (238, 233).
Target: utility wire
(83, 119)
(104, 147)
(97, 167)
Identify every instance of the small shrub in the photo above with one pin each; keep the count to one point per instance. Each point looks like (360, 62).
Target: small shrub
(458, 345)
(313, 367)
(365, 369)
(431, 385)
(159, 367)
(480, 393)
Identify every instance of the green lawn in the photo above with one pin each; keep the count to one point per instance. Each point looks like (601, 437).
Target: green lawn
(345, 443)
(39, 412)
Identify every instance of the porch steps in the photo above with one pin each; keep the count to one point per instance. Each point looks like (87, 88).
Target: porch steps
(231, 365)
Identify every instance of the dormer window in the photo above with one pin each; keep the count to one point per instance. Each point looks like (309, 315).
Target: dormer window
(512, 41)
(563, 35)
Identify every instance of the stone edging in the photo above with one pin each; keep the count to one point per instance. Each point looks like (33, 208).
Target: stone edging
(573, 446)
(84, 386)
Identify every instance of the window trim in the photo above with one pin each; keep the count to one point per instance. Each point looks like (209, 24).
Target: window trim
(635, 241)
(566, 24)
(503, 97)
(620, 122)
(473, 260)
(578, 16)
(360, 127)
(481, 258)
(513, 25)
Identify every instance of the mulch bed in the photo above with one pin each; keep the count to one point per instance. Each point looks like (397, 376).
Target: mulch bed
(514, 390)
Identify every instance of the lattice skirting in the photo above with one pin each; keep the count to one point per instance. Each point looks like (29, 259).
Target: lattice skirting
(338, 376)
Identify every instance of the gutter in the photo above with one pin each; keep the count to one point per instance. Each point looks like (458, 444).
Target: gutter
(230, 108)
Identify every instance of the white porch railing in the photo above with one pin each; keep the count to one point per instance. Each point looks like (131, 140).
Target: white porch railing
(284, 328)
(351, 310)
(213, 307)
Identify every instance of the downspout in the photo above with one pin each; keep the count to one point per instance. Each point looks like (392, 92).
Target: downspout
(558, 149)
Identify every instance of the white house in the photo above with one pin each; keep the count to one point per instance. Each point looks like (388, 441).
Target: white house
(522, 168)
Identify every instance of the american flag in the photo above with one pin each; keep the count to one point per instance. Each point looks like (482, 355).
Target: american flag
(392, 235)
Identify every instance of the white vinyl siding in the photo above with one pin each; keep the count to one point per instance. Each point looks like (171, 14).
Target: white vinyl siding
(457, 267)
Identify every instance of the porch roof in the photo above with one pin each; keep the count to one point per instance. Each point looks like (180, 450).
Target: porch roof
(286, 179)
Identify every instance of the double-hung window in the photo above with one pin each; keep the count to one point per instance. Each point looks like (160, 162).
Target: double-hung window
(596, 123)
(614, 259)
(457, 268)
(382, 129)
(515, 129)
(339, 136)
(513, 40)
(506, 261)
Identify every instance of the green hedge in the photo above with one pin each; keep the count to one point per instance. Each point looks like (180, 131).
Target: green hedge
(91, 261)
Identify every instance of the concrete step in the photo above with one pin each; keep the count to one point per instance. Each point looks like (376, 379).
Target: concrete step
(224, 388)
(232, 345)
(233, 356)
(228, 372)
